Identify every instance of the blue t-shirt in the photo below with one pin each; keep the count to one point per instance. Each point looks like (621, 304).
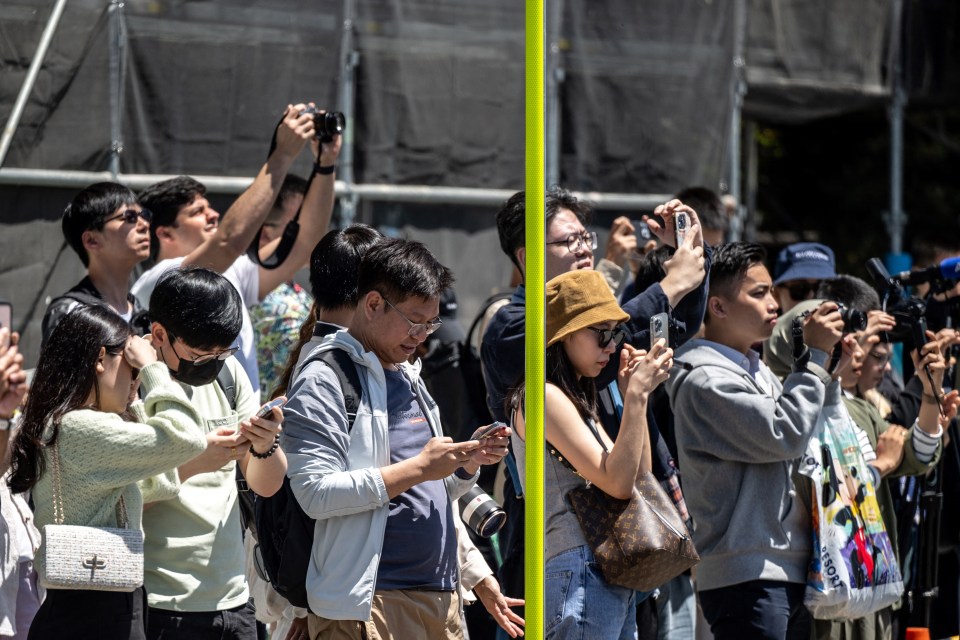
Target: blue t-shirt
(420, 543)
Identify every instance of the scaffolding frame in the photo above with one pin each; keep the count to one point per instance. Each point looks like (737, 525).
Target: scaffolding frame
(349, 193)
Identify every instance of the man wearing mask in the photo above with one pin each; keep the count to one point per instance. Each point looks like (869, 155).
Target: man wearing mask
(193, 548)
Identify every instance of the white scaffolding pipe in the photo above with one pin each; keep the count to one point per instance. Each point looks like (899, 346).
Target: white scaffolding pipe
(14, 120)
(377, 192)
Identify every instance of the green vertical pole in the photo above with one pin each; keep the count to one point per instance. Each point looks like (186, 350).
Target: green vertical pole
(535, 328)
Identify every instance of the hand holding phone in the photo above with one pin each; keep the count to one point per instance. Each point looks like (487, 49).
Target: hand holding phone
(497, 429)
(268, 408)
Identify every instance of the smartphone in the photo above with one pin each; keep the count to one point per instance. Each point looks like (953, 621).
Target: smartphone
(682, 223)
(660, 328)
(490, 430)
(266, 409)
(6, 315)
(642, 230)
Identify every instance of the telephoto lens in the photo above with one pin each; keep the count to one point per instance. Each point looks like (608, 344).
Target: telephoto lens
(481, 512)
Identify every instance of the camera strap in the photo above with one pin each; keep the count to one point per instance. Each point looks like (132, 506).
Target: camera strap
(290, 232)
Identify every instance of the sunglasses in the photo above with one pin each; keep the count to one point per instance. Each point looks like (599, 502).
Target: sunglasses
(605, 336)
(802, 290)
(130, 216)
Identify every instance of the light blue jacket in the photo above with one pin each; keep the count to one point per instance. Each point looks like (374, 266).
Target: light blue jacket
(335, 474)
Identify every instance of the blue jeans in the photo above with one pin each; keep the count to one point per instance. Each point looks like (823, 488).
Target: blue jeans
(580, 605)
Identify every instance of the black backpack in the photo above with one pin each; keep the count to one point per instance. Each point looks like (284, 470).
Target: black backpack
(285, 538)
(470, 363)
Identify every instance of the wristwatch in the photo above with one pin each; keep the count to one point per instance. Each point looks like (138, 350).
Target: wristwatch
(5, 423)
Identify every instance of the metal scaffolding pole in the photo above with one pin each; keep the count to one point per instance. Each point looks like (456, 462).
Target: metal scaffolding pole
(14, 120)
(738, 90)
(376, 192)
(554, 78)
(349, 59)
(118, 63)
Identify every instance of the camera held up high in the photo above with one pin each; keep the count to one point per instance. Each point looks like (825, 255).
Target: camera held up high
(326, 125)
(909, 311)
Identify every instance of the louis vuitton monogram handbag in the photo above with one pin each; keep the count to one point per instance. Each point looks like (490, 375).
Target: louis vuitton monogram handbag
(90, 558)
(640, 543)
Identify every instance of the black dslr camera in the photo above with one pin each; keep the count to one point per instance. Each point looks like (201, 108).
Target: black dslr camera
(909, 311)
(326, 125)
(853, 319)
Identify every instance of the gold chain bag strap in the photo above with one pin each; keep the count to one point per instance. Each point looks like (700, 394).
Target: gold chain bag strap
(90, 558)
(640, 543)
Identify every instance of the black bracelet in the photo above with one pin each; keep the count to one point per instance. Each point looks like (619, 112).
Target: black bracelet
(269, 452)
(324, 171)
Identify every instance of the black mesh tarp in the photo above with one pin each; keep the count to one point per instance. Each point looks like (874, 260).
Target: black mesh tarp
(645, 99)
(813, 58)
(647, 94)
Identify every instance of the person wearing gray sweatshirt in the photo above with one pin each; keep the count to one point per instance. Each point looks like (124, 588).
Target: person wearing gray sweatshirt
(739, 434)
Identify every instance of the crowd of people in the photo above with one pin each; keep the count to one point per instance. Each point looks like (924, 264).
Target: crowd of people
(677, 356)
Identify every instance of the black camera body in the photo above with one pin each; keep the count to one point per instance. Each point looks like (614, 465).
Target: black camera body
(909, 311)
(853, 319)
(326, 125)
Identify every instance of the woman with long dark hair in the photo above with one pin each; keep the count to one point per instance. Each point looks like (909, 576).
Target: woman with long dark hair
(583, 333)
(80, 426)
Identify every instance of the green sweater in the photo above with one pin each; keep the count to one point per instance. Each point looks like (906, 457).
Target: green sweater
(193, 545)
(103, 456)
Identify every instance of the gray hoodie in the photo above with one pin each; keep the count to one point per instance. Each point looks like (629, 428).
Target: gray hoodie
(738, 448)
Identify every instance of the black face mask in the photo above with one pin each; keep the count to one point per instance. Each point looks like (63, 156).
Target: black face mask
(197, 375)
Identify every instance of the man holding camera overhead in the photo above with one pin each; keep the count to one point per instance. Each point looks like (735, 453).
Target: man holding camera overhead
(186, 230)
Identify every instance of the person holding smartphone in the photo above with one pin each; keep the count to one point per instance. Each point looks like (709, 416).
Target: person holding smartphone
(194, 560)
(583, 335)
(81, 425)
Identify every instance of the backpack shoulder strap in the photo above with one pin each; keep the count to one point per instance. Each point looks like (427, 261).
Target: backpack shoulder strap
(503, 295)
(346, 370)
(229, 385)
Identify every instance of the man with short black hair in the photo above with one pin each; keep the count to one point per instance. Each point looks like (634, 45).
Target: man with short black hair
(193, 549)
(109, 231)
(384, 560)
(739, 435)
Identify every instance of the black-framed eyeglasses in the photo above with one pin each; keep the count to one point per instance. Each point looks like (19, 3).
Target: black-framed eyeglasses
(617, 335)
(802, 290)
(130, 216)
(209, 357)
(576, 241)
(418, 330)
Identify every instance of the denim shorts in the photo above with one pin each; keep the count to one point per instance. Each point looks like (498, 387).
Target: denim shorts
(580, 605)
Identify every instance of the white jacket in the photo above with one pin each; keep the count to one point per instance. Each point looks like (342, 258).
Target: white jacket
(336, 478)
